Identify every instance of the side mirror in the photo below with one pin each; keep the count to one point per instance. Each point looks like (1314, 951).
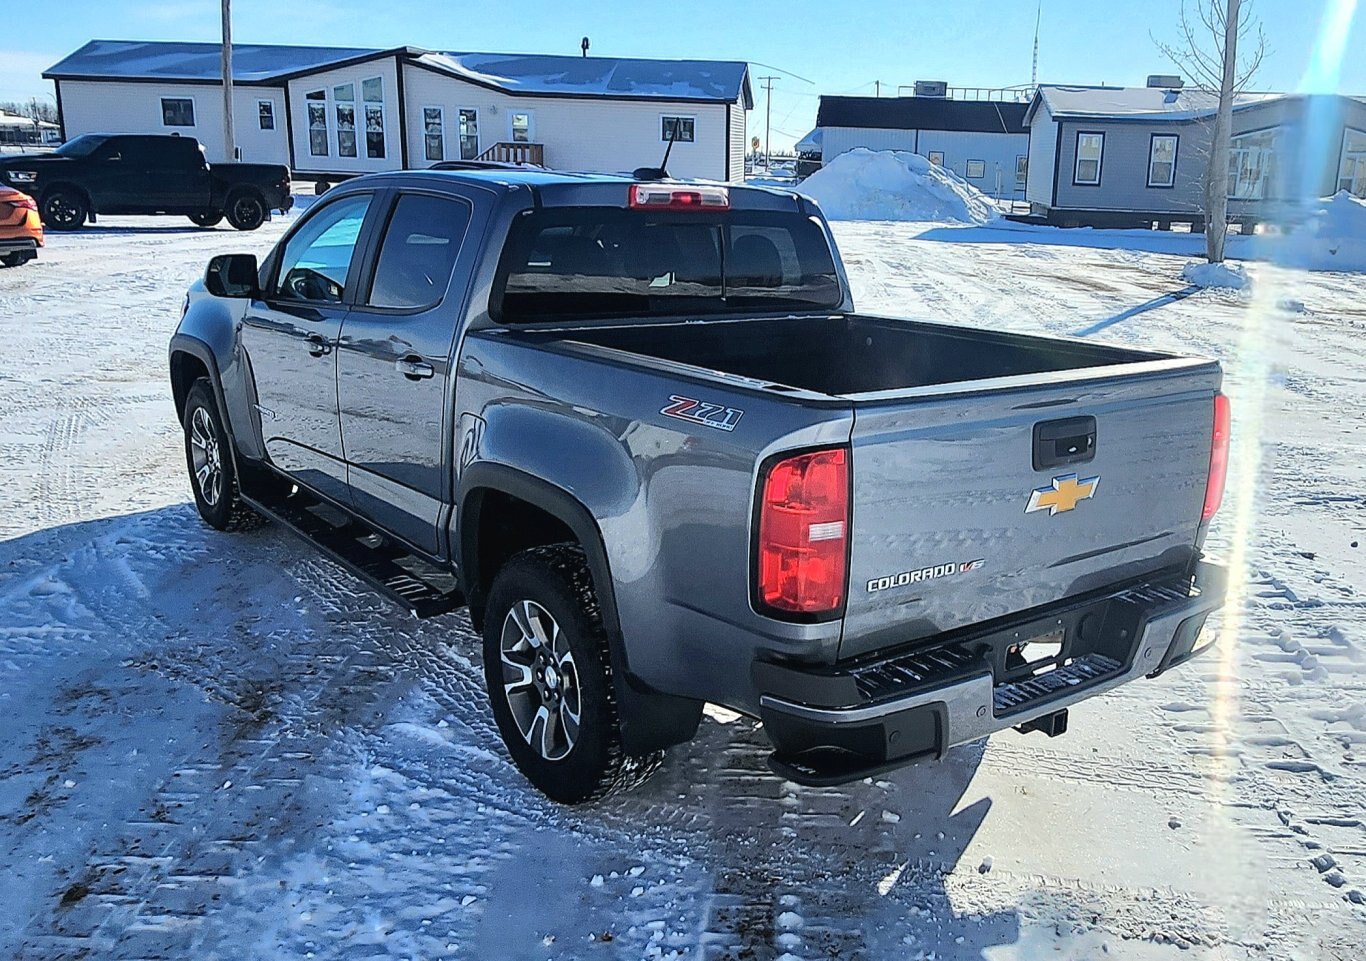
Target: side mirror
(232, 275)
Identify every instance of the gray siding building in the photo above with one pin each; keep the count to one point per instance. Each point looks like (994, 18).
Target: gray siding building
(984, 142)
(1138, 156)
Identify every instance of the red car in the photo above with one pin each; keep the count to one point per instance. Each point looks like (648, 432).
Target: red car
(21, 232)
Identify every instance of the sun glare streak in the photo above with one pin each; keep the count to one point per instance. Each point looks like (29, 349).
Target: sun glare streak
(1250, 373)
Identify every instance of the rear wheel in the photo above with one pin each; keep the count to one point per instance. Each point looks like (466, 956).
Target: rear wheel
(15, 260)
(246, 210)
(549, 678)
(212, 475)
(65, 209)
(209, 218)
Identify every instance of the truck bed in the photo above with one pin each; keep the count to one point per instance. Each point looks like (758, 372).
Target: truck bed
(855, 354)
(960, 442)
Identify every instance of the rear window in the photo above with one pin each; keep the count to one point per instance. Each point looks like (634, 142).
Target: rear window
(563, 265)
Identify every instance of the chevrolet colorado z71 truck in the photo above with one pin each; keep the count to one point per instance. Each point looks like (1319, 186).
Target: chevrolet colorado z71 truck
(145, 174)
(637, 427)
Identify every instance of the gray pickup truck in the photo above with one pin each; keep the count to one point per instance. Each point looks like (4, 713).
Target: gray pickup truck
(638, 429)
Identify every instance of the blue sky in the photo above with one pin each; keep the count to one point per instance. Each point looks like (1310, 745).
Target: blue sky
(843, 47)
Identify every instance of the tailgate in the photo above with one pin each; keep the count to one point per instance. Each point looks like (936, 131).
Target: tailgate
(953, 524)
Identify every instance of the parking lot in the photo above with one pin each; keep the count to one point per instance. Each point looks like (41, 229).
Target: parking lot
(224, 746)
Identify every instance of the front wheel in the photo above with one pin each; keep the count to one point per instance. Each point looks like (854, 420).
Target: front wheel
(549, 678)
(212, 474)
(246, 210)
(65, 209)
(209, 218)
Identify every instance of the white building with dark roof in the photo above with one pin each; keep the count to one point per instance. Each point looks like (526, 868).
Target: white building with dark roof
(334, 112)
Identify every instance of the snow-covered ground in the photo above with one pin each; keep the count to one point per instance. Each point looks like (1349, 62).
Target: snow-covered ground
(221, 746)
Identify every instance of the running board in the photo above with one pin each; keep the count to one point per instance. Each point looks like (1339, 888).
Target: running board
(388, 567)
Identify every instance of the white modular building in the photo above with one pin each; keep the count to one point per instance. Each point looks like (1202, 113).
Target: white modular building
(334, 112)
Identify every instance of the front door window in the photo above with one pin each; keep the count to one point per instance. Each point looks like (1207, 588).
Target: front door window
(317, 259)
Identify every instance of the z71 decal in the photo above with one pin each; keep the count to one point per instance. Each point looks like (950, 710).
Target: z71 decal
(700, 412)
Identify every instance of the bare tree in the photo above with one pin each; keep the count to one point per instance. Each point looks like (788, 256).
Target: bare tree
(1208, 53)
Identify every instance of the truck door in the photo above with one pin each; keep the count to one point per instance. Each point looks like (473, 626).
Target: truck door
(114, 176)
(290, 337)
(180, 175)
(394, 363)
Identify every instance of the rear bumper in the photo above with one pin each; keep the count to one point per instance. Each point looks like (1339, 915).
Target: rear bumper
(18, 245)
(837, 725)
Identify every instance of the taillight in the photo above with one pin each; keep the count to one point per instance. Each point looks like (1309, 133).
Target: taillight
(804, 533)
(671, 197)
(1218, 458)
(25, 203)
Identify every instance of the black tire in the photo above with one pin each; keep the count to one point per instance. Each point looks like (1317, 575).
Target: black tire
(246, 210)
(556, 582)
(209, 218)
(65, 208)
(321, 187)
(16, 260)
(213, 477)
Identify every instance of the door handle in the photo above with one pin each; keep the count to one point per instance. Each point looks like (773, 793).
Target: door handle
(318, 345)
(414, 368)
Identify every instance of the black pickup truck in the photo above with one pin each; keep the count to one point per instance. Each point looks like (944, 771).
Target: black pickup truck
(145, 174)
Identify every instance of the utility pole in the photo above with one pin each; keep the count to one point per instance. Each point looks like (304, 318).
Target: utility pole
(768, 114)
(877, 88)
(229, 133)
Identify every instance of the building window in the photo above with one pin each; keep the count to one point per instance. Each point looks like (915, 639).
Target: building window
(680, 129)
(521, 128)
(1162, 160)
(1252, 165)
(936, 157)
(372, 92)
(469, 134)
(1021, 168)
(1352, 172)
(344, 98)
(177, 112)
(977, 169)
(1090, 149)
(265, 114)
(434, 132)
(317, 122)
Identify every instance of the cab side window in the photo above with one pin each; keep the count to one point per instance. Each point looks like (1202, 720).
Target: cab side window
(317, 259)
(418, 253)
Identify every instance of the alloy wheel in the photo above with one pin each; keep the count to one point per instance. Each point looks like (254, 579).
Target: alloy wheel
(207, 457)
(540, 680)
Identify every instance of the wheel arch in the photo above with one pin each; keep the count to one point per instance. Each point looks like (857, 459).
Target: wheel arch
(190, 359)
(650, 720)
(51, 188)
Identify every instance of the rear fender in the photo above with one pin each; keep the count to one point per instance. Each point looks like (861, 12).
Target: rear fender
(650, 721)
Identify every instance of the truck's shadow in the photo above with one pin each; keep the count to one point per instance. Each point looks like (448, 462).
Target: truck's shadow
(315, 681)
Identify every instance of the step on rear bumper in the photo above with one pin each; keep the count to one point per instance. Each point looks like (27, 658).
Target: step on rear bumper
(839, 725)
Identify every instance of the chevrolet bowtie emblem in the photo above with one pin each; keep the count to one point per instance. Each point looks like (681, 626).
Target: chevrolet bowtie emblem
(1062, 494)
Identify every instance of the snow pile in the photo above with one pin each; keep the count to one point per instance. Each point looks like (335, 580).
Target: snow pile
(1332, 237)
(1233, 276)
(868, 184)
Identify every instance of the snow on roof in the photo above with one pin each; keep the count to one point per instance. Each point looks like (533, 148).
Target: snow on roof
(811, 143)
(544, 74)
(1154, 103)
(705, 80)
(158, 60)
